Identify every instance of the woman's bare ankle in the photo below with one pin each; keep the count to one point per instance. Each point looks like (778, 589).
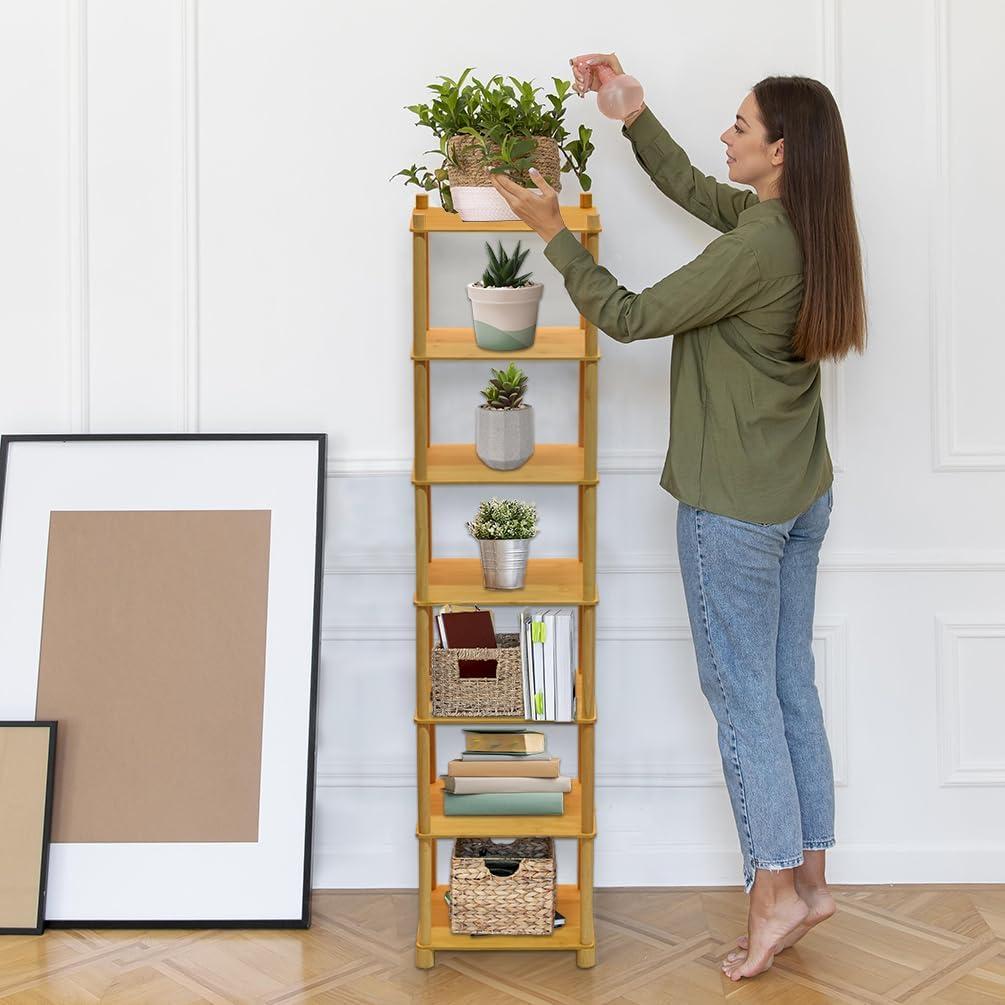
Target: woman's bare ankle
(808, 878)
(810, 887)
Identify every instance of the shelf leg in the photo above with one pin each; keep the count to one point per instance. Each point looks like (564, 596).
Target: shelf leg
(586, 957)
(587, 778)
(422, 759)
(423, 541)
(426, 958)
(588, 537)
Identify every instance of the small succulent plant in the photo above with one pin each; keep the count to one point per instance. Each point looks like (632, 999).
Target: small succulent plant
(506, 389)
(503, 269)
(504, 519)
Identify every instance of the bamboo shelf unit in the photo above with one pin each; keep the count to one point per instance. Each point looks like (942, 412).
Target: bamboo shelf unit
(549, 581)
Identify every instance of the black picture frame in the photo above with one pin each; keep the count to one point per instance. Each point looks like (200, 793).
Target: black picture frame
(304, 921)
(51, 726)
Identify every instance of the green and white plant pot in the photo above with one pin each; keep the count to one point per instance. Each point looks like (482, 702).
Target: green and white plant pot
(504, 437)
(504, 318)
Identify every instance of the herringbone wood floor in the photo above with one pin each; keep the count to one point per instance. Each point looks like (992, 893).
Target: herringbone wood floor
(935, 944)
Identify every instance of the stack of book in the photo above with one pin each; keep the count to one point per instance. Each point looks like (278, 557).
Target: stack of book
(505, 771)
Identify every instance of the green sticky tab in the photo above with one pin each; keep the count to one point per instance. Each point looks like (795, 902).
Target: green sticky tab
(537, 631)
(539, 703)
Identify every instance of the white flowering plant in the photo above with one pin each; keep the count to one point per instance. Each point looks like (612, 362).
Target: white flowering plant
(504, 519)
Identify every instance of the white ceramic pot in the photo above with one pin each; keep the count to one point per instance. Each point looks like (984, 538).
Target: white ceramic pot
(504, 437)
(504, 318)
(480, 202)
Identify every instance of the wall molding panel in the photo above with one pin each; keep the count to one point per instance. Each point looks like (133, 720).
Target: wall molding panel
(949, 453)
(831, 676)
(77, 242)
(953, 770)
(188, 267)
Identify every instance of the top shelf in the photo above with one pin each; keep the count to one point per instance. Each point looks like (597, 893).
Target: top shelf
(427, 219)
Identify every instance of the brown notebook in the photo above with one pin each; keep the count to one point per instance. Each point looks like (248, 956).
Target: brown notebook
(469, 630)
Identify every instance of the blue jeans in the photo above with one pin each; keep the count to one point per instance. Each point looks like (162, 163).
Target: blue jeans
(750, 592)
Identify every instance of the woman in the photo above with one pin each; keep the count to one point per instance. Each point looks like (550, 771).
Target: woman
(779, 290)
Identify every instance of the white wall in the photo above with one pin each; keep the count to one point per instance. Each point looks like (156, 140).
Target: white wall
(198, 233)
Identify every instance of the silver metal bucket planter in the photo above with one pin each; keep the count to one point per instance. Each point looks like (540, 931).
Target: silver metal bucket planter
(504, 437)
(504, 562)
(505, 317)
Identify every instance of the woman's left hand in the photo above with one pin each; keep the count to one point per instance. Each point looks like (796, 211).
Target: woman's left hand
(539, 210)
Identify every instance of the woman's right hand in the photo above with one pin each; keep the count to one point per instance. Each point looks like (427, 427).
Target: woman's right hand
(584, 70)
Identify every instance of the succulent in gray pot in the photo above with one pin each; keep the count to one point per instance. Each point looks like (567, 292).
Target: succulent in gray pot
(504, 423)
(503, 529)
(505, 302)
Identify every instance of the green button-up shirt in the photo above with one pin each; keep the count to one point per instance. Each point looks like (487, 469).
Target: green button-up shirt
(747, 436)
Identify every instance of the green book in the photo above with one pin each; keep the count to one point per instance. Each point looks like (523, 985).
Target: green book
(503, 803)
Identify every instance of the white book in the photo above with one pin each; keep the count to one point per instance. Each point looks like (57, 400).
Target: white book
(540, 683)
(565, 670)
(528, 648)
(525, 663)
(534, 660)
(550, 657)
(574, 659)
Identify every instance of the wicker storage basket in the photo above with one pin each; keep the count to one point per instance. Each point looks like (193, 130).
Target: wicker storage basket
(499, 695)
(471, 170)
(502, 889)
(472, 193)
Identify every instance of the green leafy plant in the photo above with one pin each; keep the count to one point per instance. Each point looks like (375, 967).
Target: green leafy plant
(507, 388)
(503, 269)
(504, 519)
(504, 120)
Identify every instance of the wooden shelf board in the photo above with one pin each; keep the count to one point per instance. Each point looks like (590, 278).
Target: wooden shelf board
(552, 342)
(550, 464)
(547, 581)
(567, 937)
(568, 825)
(435, 219)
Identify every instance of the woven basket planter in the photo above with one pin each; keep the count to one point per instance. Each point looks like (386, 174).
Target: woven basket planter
(498, 695)
(471, 189)
(503, 889)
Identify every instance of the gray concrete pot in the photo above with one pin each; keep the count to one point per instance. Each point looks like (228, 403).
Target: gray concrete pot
(504, 437)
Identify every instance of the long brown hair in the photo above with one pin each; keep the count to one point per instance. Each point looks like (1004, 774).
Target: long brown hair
(815, 189)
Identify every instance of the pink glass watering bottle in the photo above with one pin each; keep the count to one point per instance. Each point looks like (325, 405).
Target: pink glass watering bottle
(619, 94)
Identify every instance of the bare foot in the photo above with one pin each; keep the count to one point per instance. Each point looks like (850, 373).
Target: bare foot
(767, 932)
(821, 907)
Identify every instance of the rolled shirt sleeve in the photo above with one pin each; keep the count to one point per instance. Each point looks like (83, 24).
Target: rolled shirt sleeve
(714, 285)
